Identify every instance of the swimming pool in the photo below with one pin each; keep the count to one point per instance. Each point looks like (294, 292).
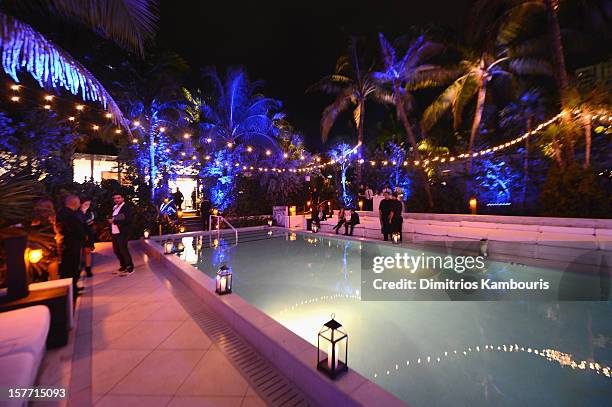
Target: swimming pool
(425, 352)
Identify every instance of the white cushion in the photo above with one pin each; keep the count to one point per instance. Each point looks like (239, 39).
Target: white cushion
(603, 233)
(480, 225)
(25, 329)
(468, 233)
(432, 230)
(62, 282)
(567, 230)
(524, 236)
(518, 226)
(17, 370)
(564, 240)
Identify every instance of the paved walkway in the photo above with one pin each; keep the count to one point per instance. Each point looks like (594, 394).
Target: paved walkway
(136, 345)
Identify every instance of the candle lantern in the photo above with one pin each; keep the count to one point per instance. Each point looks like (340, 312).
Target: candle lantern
(223, 284)
(168, 246)
(361, 205)
(484, 247)
(292, 210)
(333, 339)
(146, 233)
(396, 237)
(473, 205)
(34, 255)
(215, 211)
(179, 214)
(180, 247)
(269, 222)
(315, 228)
(182, 229)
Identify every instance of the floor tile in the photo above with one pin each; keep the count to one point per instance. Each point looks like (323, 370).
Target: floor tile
(132, 401)
(110, 366)
(160, 373)
(145, 335)
(253, 401)
(229, 382)
(187, 336)
(195, 401)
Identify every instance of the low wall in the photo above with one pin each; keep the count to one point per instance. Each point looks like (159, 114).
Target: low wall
(292, 355)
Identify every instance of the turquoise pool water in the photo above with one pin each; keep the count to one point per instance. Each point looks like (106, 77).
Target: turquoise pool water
(428, 353)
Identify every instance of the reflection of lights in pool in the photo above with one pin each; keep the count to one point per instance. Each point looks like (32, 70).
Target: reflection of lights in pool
(552, 355)
(322, 299)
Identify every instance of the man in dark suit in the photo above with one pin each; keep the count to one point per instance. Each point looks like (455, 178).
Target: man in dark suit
(121, 228)
(385, 210)
(73, 236)
(397, 219)
(205, 207)
(353, 220)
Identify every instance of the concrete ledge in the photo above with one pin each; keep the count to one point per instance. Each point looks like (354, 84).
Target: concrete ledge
(291, 354)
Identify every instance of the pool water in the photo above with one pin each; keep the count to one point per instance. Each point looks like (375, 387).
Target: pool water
(428, 353)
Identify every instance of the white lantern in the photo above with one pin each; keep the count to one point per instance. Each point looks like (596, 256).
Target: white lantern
(146, 233)
(223, 283)
(168, 246)
(396, 237)
(315, 228)
(333, 339)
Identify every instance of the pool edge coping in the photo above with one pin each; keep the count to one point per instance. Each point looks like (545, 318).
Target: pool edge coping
(288, 352)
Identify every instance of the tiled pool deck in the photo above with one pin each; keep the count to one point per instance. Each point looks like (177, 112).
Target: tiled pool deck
(137, 344)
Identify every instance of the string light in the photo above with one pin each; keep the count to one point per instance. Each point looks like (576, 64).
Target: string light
(186, 136)
(71, 118)
(48, 98)
(162, 129)
(136, 123)
(15, 98)
(15, 87)
(80, 108)
(249, 149)
(47, 107)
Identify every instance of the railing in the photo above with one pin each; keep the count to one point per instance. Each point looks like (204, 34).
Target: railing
(218, 224)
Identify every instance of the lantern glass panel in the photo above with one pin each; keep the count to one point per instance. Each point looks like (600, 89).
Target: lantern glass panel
(333, 340)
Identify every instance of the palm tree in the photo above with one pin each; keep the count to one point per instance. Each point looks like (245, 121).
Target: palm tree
(353, 85)
(528, 109)
(235, 112)
(128, 22)
(408, 74)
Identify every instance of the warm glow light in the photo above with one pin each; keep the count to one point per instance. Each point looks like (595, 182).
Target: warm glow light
(209, 140)
(193, 157)
(136, 123)
(183, 154)
(95, 127)
(15, 87)
(71, 118)
(186, 135)
(286, 155)
(108, 115)
(47, 107)
(118, 131)
(268, 152)
(162, 129)
(80, 108)
(48, 98)
(230, 144)
(15, 98)
(134, 140)
(35, 255)
(207, 157)
(249, 149)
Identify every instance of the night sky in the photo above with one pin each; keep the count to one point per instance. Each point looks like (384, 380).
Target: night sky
(292, 44)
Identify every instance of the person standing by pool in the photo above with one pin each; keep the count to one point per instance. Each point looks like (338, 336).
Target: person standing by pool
(87, 216)
(397, 220)
(72, 233)
(121, 227)
(314, 199)
(385, 211)
(369, 199)
(178, 199)
(387, 189)
(341, 219)
(350, 224)
(205, 207)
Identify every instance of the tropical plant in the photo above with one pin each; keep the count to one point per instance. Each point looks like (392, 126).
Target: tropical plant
(520, 117)
(129, 22)
(235, 112)
(353, 84)
(408, 74)
(341, 154)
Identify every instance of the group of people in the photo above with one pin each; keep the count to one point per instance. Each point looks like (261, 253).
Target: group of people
(74, 225)
(390, 213)
(349, 220)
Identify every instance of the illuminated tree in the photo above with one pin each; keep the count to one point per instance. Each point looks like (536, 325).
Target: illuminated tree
(128, 22)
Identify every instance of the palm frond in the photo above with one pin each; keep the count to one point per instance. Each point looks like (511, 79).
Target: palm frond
(130, 23)
(331, 112)
(24, 49)
(430, 76)
(441, 104)
(531, 66)
(515, 20)
(466, 90)
(18, 192)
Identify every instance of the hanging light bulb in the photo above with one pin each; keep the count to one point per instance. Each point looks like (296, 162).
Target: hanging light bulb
(15, 99)
(118, 131)
(209, 140)
(80, 108)
(136, 123)
(162, 129)
(95, 127)
(47, 107)
(230, 144)
(48, 98)
(268, 152)
(286, 155)
(249, 149)
(71, 118)
(134, 140)
(186, 136)
(15, 87)
(108, 115)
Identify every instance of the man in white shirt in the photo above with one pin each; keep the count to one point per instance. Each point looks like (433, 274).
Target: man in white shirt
(121, 223)
(369, 198)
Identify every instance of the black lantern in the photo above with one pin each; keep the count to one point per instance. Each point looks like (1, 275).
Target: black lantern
(223, 284)
(315, 228)
(334, 339)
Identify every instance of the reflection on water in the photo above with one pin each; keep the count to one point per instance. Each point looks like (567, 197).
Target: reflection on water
(427, 353)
